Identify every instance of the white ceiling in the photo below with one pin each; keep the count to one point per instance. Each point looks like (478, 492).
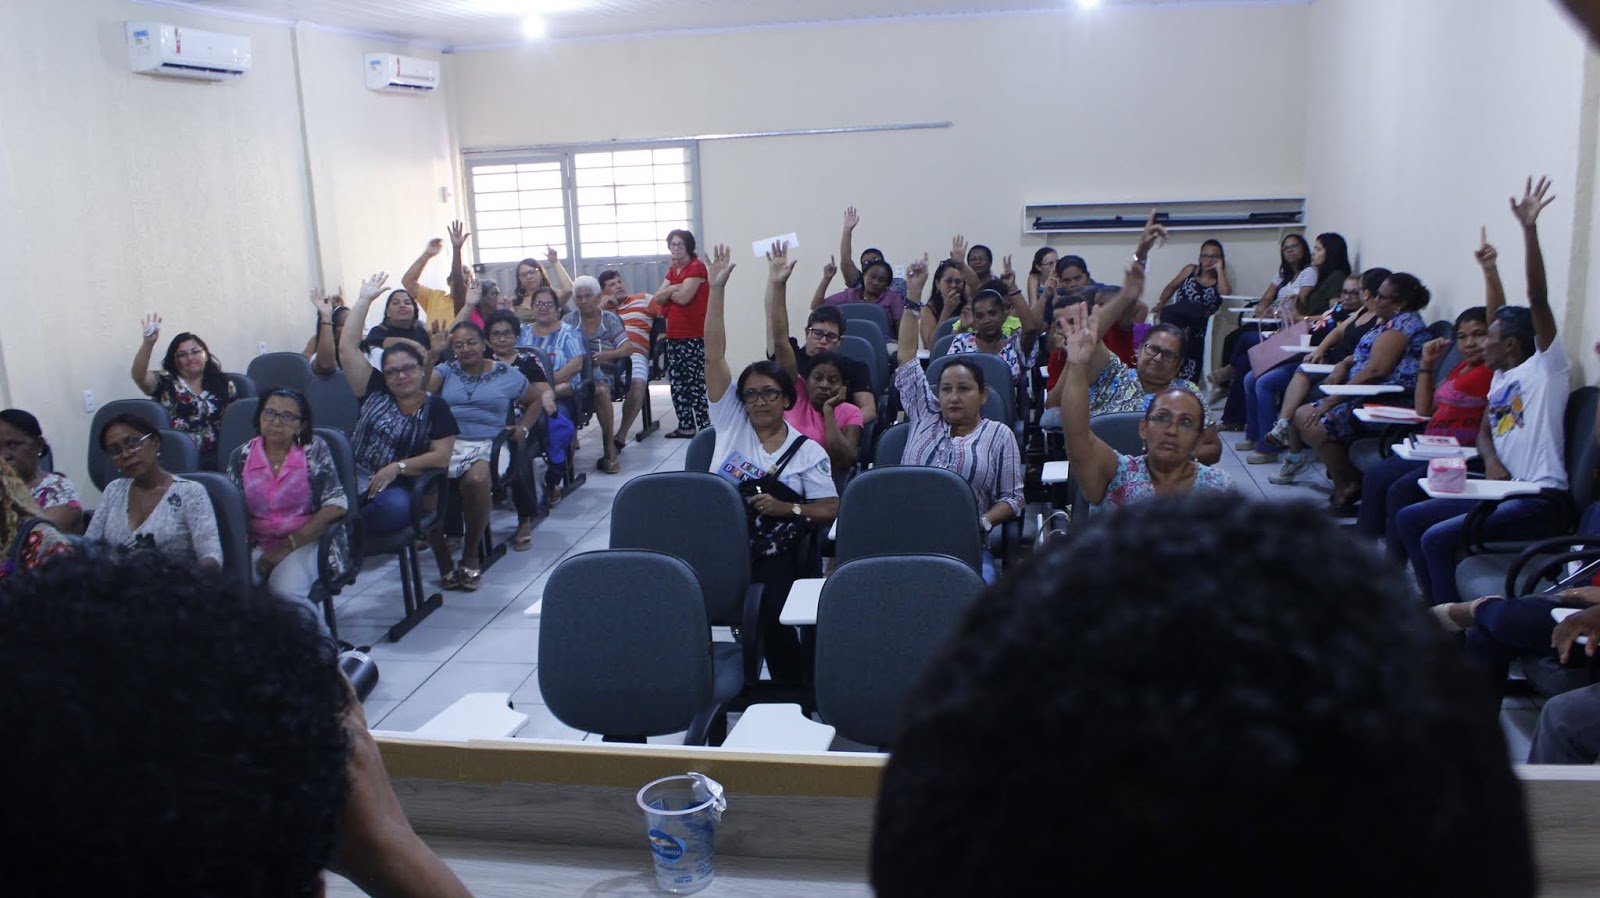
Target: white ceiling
(464, 24)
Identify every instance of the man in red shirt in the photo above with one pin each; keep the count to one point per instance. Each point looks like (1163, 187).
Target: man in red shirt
(638, 312)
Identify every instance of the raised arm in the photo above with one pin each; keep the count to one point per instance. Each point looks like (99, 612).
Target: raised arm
(958, 255)
(1172, 288)
(910, 322)
(324, 361)
(1527, 212)
(357, 370)
(1494, 291)
(1094, 462)
(846, 252)
(1133, 278)
(1032, 326)
(778, 269)
(412, 279)
(558, 275)
(143, 377)
(1432, 352)
(718, 377)
(828, 271)
(458, 280)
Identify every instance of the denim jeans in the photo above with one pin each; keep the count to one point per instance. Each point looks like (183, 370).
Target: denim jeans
(1386, 487)
(1429, 535)
(1262, 396)
(1233, 412)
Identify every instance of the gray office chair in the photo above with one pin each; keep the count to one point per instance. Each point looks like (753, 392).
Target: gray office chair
(330, 581)
(697, 457)
(232, 525)
(243, 386)
(946, 328)
(623, 639)
(872, 313)
(237, 428)
(180, 454)
(101, 469)
(891, 446)
(879, 622)
(332, 403)
(941, 346)
(870, 354)
(909, 509)
(996, 376)
(280, 369)
(1120, 431)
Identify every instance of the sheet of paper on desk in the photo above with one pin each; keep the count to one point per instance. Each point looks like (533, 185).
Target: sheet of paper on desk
(762, 247)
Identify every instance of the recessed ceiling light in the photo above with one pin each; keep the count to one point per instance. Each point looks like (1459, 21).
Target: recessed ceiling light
(533, 27)
(1088, 4)
(527, 7)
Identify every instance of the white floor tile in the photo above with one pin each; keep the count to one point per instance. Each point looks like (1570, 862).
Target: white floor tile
(453, 680)
(544, 725)
(502, 645)
(397, 679)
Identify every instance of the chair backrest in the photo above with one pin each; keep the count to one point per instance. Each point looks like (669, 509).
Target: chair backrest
(908, 509)
(875, 336)
(1582, 455)
(344, 461)
(941, 347)
(1442, 328)
(238, 426)
(996, 376)
(871, 355)
(232, 524)
(243, 386)
(697, 457)
(624, 644)
(892, 445)
(871, 313)
(332, 402)
(879, 622)
(946, 327)
(1449, 360)
(716, 546)
(280, 369)
(101, 469)
(180, 454)
(1120, 431)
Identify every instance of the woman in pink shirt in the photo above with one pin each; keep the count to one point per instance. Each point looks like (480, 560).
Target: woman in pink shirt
(820, 410)
(292, 493)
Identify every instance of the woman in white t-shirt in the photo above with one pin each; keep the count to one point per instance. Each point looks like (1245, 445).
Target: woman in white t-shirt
(788, 481)
(1282, 299)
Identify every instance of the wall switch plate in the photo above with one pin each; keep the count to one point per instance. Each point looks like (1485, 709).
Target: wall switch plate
(261, 348)
(88, 402)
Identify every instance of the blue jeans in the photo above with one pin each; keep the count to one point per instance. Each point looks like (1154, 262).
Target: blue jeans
(1429, 535)
(1233, 412)
(390, 510)
(1387, 487)
(1261, 397)
(1505, 629)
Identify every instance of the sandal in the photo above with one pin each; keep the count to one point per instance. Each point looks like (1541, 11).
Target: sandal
(451, 580)
(471, 578)
(681, 434)
(608, 465)
(522, 541)
(552, 495)
(620, 443)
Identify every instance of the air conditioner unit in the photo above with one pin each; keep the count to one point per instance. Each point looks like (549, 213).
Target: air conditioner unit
(157, 49)
(389, 73)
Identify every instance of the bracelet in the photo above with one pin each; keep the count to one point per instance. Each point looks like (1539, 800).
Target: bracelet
(292, 544)
(328, 323)
(913, 305)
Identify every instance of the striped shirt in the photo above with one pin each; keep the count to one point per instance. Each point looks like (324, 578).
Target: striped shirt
(637, 314)
(987, 458)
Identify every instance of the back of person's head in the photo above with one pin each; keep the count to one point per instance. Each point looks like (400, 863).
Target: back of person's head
(1373, 278)
(1335, 256)
(1414, 297)
(1516, 323)
(168, 735)
(1174, 701)
(826, 315)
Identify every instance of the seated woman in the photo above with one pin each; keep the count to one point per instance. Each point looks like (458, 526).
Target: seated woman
(820, 410)
(503, 329)
(27, 538)
(1391, 355)
(190, 385)
(564, 344)
(1191, 300)
(22, 445)
(757, 447)
(323, 347)
(402, 429)
(874, 288)
(1308, 296)
(1042, 280)
(292, 493)
(481, 391)
(948, 429)
(399, 323)
(606, 342)
(147, 508)
(1296, 279)
(989, 309)
(1171, 430)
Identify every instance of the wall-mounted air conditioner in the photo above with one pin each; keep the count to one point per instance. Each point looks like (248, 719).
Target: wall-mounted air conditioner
(157, 49)
(389, 73)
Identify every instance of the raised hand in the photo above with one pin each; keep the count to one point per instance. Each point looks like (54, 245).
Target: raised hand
(1485, 254)
(1434, 350)
(851, 219)
(474, 293)
(721, 266)
(1133, 279)
(322, 303)
(372, 286)
(435, 246)
(1532, 203)
(1079, 336)
(551, 256)
(152, 328)
(917, 275)
(829, 270)
(958, 249)
(1051, 285)
(1007, 273)
(779, 267)
(438, 337)
(458, 234)
(1153, 233)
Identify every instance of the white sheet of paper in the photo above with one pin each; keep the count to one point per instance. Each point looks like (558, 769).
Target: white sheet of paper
(762, 247)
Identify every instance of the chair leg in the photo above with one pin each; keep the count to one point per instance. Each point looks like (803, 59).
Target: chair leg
(489, 551)
(709, 727)
(416, 607)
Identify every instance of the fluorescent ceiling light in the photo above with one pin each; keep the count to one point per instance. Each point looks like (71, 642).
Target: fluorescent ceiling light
(526, 7)
(533, 27)
(1088, 4)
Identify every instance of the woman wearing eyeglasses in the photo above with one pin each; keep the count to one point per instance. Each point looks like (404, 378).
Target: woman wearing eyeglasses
(786, 478)
(402, 431)
(292, 493)
(190, 385)
(148, 508)
(1171, 431)
(683, 295)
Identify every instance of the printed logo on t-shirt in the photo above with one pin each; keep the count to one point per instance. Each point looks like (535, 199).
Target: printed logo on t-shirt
(738, 469)
(1506, 409)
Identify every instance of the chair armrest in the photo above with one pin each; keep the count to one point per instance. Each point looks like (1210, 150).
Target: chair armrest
(1546, 567)
(750, 632)
(1474, 531)
(422, 518)
(352, 526)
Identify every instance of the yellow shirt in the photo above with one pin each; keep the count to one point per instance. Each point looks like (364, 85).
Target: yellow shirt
(436, 304)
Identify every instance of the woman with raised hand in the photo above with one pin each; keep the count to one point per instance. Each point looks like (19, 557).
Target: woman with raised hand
(1171, 430)
(402, 429)
(323, 347)
(22, 445)
(190, 385)
(786, 478)
(820, 411)
(948, 429)
(399, 324)
(148, 508)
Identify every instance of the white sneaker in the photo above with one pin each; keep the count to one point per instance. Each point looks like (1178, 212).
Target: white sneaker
(1292, 466)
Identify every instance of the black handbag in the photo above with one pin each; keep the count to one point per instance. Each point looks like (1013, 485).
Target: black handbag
(774, 536)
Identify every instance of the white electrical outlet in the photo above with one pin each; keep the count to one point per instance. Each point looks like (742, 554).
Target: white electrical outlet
(261, 348)
(88, 402)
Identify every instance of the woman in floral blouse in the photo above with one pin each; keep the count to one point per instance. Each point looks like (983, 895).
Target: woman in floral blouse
(26, 539)
(190, 384)
(22, 445)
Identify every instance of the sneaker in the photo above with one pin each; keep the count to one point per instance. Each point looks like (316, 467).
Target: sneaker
(1244, 446)
(1292, 466)
(1279, 435)
(1261, 458)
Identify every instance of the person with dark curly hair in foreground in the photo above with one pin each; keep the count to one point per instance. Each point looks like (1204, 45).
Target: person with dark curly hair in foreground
(1146, 710)
(167, 735)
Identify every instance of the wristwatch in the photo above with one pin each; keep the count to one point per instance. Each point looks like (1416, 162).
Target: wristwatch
(985, 523)
(402, 465)
(797, 510)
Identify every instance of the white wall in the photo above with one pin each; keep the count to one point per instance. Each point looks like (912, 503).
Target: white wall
(1426, 115)
(126, 194)
(1124, 104)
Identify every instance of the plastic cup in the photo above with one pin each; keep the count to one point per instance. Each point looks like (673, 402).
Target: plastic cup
(681, 815)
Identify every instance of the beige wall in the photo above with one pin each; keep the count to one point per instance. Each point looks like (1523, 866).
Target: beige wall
(124, 194)
(1128, 104)
(1428, 114)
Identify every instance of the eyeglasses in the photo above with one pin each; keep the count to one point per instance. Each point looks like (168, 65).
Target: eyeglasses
(1165, 419)
(277, 417)
(188, 353)
(822, 336)
(1210, 256)
(1156, 352)
(1349, 292)
(403, 371)
(543, 304)
(128, 447)
(764, 395)
(503, 334)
